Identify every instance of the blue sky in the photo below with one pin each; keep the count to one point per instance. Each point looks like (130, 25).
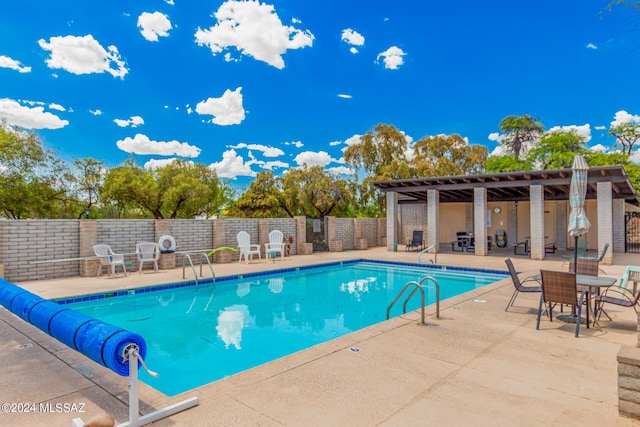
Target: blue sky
(245, 86)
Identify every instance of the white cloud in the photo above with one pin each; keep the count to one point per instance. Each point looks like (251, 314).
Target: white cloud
(345, 96)
(96, 112)
(29, 118)
(600, 148)
(392, 57)
(297, 144)
(160, 163)
(583, 131)
(226, 110)
(7, 62)
(232, 165)
(635, 157)
(58, 107)
(133, 121)
(273, 165)
(495, 136)
(353, 38)
(600, 127)
(355, 139)
(153, 25)
(622, 117)
(340, 170)
(253, 29)
(334, 143)
(83, 55)
(169, 2)
(141, 144)
(313, 158)
(266, 150)
(591, 46)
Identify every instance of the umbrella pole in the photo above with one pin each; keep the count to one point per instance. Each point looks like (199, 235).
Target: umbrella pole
(575, 257)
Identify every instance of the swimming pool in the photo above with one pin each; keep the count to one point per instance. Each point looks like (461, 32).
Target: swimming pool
(199, 334)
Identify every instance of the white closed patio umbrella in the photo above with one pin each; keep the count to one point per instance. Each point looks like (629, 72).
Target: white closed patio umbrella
(578, 222)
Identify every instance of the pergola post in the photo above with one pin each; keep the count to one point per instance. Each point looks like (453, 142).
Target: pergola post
(433, 218)
(536, 197)
(480, 220)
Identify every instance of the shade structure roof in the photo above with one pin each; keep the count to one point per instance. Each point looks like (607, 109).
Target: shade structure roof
(511, 186)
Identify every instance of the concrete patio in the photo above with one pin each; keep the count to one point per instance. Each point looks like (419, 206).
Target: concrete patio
(476, 365)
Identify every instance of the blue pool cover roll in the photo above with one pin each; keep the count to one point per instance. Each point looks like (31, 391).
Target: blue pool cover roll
(101, 342)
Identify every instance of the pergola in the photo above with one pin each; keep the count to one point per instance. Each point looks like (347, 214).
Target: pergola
(608, 185)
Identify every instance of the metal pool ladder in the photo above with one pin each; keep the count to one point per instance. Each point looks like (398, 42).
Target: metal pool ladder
(417, 286)
(187, 257)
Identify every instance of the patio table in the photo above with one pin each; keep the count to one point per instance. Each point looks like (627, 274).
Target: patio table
(593, 284)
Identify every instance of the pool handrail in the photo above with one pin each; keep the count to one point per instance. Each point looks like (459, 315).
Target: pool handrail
(417, 286)
(427, 249)
(185, 255)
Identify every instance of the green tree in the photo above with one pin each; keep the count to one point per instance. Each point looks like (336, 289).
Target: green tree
(32, 180)
(129, 186)
(448, 155)
(506, 163)
(520, 132)
(89, 178)
(380, 155)
(556, 150)
(627, 135)
(263, 198)
(180, 189)
(188, 189)
(316, 192)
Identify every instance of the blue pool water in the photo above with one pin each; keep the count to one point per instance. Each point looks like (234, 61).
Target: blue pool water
(199, 334)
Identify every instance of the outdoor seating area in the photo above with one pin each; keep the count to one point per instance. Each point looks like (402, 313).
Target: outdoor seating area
(483, 373)
(109, 259)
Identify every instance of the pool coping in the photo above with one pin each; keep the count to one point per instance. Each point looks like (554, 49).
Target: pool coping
(208, 281)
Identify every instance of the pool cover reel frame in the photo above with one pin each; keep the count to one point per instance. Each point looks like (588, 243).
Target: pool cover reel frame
(132, 354)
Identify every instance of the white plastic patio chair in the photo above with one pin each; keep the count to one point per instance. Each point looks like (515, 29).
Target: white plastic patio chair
(148, 252)
(109, 259)
(246, 248)
(275, 243)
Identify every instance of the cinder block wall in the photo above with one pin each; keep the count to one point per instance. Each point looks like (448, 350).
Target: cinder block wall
(122, 235)
(288, 226)
(344, 233)
(369, 229)
(233, 226)
(24, 241)
(413, 217)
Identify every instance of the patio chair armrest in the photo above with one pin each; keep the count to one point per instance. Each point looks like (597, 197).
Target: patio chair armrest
(531, 279)
(616, 291)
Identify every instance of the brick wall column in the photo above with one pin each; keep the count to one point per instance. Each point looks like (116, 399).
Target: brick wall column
(392, 221)
(629, 382)
(536, 197)
(219, 239)
(264, 228)
(88, 237)
(605, 220)
(382, 231)
(480, 220)
(302, 247)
